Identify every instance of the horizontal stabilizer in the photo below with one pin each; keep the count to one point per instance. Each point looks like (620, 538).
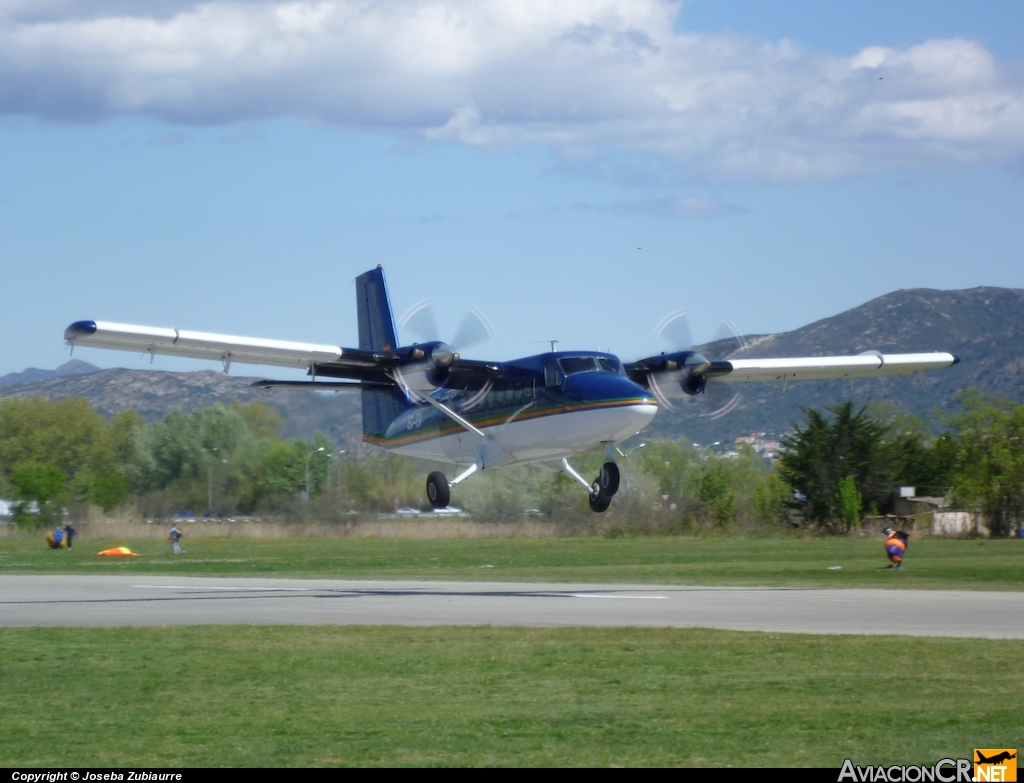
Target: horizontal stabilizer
(321, 385)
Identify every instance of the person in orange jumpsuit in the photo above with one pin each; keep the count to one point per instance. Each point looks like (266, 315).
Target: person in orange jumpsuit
(896, 546)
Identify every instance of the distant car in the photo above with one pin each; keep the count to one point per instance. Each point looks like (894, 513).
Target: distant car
(408, 512)
(450, 511)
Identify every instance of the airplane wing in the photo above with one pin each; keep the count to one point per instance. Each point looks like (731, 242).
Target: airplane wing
(865, 365)
(198, 345)
(365, 368)
(685, 373)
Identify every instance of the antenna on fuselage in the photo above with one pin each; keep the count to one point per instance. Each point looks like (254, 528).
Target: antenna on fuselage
(553, 343)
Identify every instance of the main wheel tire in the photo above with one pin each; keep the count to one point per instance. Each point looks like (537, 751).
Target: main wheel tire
(438, 492)
(609, 479)
(600, 503)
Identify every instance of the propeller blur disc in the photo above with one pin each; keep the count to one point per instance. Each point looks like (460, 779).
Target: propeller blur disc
(675, 327)
(728, 342)
(420, 321)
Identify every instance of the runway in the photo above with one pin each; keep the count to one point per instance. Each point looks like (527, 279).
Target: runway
(155, 600)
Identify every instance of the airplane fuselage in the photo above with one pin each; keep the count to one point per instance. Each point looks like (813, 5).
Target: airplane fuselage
(545, 407)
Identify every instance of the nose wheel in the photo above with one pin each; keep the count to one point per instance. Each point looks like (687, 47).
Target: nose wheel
(604, 487)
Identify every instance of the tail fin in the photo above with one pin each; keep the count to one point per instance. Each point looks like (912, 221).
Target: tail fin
(376, 324)
(377, 333)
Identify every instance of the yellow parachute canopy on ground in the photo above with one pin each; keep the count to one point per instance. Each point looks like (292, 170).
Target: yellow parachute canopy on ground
(117, 551)
(56, 540)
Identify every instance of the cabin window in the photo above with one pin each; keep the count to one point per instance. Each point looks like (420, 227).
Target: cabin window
(576, 364)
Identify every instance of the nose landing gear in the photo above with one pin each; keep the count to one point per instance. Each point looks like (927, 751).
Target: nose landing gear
(604, 487)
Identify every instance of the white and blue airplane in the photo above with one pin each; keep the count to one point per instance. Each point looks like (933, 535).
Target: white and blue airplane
(425, 400)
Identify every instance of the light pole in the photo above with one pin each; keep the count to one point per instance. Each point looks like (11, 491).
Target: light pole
(330, 471)
(209, 481)
(314, 451)
(629, 451)
(209, 478)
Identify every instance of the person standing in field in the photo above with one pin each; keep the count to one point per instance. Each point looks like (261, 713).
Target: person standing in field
(175, 540)
(69, 533)
(896, 546)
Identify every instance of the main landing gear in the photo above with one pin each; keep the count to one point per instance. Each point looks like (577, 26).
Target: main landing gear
(604, 487)
(439, 489)
(438, 492)
(602, 490)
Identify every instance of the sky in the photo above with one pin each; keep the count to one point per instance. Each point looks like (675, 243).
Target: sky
(575, 170)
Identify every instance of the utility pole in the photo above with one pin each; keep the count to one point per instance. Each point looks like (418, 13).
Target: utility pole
(314, 451)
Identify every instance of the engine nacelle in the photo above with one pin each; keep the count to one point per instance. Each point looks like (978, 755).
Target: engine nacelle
(692, 385)
(429, 366)
(679, 374)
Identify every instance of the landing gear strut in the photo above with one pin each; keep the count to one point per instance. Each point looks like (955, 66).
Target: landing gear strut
(437, 490)
(604, 487)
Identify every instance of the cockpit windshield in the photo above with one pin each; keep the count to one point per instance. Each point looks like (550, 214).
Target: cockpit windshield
(571, 365)
(575, 364)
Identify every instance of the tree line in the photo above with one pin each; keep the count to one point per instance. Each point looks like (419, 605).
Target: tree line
(837, 466)
(846, 462)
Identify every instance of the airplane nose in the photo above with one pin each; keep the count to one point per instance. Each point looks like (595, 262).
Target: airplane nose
(605, 389)
(624, 407)
(641, 414)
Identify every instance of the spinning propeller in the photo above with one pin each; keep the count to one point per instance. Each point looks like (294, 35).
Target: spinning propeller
(438, 357)
(473, 329)
(692, 372)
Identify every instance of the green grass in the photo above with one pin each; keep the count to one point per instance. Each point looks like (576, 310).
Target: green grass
(771, 561)
(273, 696)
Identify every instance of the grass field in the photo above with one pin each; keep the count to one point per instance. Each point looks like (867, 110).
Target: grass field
(783, 560)
(238, 696)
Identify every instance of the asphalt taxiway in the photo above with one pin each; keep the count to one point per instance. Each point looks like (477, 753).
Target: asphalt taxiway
(33, 600)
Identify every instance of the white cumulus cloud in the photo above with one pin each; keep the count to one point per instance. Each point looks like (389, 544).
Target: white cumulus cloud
(581, 75)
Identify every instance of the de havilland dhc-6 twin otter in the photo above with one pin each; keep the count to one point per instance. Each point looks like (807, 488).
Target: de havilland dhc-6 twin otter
(425, 400)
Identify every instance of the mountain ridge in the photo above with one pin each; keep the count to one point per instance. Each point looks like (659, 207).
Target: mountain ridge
(35, 375)
(984, 326)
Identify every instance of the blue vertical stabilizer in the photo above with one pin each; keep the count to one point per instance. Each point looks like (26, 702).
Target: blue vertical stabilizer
(377, 333)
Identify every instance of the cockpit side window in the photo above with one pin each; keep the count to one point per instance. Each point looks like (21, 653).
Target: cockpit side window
(610, 365)
(552, 376)
(574, 364)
